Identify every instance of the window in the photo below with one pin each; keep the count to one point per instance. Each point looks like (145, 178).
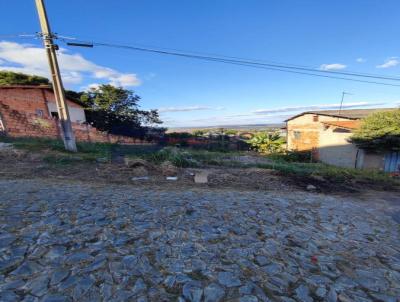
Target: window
(54, 114)
(39, 112)
(315, 118)
(297, 134)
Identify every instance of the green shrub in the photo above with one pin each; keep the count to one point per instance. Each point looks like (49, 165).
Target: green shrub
(379, 131)
(179, 135)
(230, 132)
(267, 143)
(190, 157)
(330, 173)
(177, 157)
(199, 132)
(292, 156)
(88, 151)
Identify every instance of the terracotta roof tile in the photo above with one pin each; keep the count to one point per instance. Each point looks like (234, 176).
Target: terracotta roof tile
(344, 124)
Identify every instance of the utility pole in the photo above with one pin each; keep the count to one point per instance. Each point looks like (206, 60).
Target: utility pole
(62, 107)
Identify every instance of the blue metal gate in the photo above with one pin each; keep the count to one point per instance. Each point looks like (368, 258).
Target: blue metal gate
(392, 162)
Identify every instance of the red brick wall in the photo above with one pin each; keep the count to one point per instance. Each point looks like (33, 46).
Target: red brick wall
(28, 100)
(23, 124)
(24, 100)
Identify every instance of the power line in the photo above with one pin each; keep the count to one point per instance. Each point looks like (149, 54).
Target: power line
(234, 58)
(26, 36)
(318, 75)
(249, 63)
(260, 64)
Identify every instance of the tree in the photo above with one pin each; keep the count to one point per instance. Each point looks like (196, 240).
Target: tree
(15, 78)
(267, 143)
(231, 132)
(74, 96)
(116, 110)
(379, 131)
(199, 132)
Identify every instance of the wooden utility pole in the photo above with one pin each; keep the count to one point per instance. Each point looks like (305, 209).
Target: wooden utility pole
(62, 107)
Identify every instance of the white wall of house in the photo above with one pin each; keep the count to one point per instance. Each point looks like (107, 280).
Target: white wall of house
(77, 114)
(334, 148)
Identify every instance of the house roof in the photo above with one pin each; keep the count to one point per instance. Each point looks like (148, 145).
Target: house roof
(47, 87)
(351, 114)
(351, 125)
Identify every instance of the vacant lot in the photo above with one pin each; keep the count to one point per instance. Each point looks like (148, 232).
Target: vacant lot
(150, 164)
(69, 241)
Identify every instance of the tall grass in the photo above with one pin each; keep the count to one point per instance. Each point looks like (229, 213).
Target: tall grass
(287, 165)
(188, 157)
(86, 151)
(330, 173)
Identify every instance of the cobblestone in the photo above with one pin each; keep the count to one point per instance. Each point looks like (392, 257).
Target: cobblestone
(85, 242)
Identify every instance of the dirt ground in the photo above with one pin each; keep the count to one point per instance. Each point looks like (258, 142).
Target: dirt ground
(17, 164)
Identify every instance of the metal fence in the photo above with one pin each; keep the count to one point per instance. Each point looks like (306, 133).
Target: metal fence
(392, 162)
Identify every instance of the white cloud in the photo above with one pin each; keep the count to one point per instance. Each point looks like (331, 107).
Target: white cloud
(361, 60)
(264, 116)
(391, 62)
(90, 87)
(74, 68)
(124, 80)
(335, 66)
(315, 107)
(188, 108)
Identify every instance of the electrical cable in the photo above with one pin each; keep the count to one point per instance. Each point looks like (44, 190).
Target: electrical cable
(275, 67)
(234, 59)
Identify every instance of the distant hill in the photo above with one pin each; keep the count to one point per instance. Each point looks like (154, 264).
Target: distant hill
(257, 127)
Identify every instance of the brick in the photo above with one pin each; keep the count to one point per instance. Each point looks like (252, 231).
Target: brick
(18, 112)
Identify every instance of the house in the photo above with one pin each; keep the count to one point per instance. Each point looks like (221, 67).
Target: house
(38, 100)
(31, 111)
(326, 134)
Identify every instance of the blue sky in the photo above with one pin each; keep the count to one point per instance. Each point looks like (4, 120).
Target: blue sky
(354, 35)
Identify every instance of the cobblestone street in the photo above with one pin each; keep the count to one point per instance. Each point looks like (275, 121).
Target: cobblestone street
(85, 242)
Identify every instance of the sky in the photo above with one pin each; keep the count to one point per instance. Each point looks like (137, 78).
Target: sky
(342, 35)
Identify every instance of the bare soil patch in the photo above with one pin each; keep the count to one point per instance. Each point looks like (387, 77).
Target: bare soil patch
(15, 164)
